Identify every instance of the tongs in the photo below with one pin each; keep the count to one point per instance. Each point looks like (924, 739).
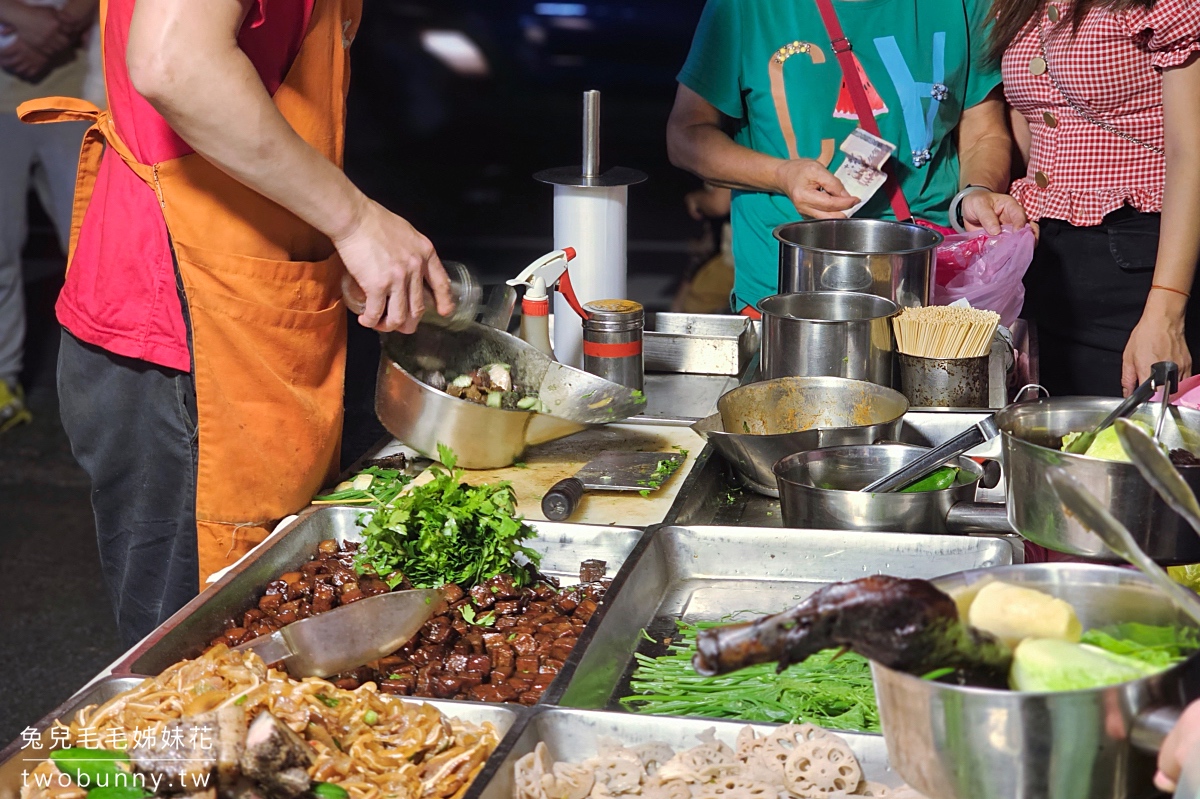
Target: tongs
(1164, 374)
(985, 430)
(1091, 513)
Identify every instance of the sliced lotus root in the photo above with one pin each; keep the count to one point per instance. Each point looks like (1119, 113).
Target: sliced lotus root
(653, 755)
(701, 764)
(875, 789)
(819, 763)
(654, 788)
(748, 744)
(529, 771)
(568, 781)
(735, 787)
(619, 771)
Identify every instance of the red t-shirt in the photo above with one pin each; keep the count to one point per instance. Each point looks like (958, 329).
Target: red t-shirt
(120, 291)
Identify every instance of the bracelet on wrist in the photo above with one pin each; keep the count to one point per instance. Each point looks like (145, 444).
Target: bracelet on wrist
(1168, 288)
(956, 216)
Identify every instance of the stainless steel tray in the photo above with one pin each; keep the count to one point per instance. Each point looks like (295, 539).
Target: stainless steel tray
(572, 735)
(14, 759)
(188, 632)
(707, 573)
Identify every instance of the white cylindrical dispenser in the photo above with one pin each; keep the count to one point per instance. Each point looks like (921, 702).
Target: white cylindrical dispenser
(591, 215)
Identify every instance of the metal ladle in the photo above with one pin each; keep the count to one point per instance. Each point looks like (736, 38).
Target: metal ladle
(1156, 467)
(1091, 513)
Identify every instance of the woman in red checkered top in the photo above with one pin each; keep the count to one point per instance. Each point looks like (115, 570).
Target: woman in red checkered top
(1107, 101)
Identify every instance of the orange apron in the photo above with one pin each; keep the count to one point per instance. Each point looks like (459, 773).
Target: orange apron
(263, 296)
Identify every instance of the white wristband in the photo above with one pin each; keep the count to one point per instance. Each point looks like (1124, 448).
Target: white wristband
(956, 207)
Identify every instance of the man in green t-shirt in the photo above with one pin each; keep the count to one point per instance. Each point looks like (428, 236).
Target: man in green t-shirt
(762, 108)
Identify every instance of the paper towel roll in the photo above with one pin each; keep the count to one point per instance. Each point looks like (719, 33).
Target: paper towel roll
(593, 221)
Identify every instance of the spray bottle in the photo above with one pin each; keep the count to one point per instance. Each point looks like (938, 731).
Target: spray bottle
(538, 279)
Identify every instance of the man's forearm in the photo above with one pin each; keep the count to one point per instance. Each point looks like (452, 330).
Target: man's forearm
(211, 95)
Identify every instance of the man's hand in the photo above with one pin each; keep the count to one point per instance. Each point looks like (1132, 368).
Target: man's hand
(813, 189)
(39, 28)
(392, 263)
(1157, 337)
(989, 210)
(23, 61)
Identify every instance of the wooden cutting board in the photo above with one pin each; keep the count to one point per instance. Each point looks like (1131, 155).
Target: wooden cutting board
(546, 464)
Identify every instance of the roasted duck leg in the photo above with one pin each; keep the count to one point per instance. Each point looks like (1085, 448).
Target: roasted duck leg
(907, 625)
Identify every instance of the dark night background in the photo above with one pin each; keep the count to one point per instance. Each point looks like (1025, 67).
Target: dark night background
(453, 153)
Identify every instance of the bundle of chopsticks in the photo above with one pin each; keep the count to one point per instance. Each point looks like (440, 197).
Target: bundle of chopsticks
(945, 332)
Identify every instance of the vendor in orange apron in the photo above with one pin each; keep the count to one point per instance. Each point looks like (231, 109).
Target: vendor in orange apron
(261, 292)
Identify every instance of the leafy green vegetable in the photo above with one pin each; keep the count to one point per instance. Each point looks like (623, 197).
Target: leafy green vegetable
(468, 614)
(827, 690)
(385, 485)
(1158, 646)
(1047, 664)
(446, 531)
(662, 471)
(328, 701)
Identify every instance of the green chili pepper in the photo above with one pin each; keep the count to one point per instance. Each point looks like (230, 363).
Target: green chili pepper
(327, 790)
(86, 766)
(119, 792)
(942, 478)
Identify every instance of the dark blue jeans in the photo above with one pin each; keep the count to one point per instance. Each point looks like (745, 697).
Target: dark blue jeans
(1086, 290)
(132, 427)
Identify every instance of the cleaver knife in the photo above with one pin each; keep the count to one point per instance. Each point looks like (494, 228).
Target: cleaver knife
(348, 636)
(611, 471)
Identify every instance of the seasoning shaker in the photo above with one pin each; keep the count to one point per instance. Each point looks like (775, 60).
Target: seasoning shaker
(465, 289)
(612, 341)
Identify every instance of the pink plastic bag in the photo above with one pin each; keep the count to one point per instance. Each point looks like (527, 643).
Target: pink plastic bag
(985, 270)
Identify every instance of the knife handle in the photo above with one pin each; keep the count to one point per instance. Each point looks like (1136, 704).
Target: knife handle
(562, 499)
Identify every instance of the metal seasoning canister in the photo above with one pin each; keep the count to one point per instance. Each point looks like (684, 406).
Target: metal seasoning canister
(612, 341)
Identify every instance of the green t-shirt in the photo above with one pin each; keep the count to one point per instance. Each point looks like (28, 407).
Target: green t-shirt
(917, 55)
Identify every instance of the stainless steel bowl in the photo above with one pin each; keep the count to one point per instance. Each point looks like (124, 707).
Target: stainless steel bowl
(1031, 434)
(890, 259)
(820, 489)
(827, 334)
(950, 742)
(760, 423)
(486, 438)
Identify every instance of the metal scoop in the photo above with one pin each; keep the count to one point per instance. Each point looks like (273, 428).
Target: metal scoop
(349, 636)
(1162, 374)
(1091, 513)
(1155, 465)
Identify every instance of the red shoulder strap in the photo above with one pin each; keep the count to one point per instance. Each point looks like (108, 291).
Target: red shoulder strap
(862, 106)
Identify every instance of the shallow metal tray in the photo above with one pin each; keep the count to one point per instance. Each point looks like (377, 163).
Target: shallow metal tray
(188, 632)
(571, 735)
(708, 573)
(14, 759)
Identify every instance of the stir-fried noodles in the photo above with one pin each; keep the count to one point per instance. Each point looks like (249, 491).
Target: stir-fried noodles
(374, 746)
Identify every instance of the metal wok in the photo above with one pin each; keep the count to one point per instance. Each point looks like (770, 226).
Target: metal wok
(760, 423)
(951, 742)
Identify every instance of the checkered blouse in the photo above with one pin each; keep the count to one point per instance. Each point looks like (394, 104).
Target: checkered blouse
(1111, 70)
